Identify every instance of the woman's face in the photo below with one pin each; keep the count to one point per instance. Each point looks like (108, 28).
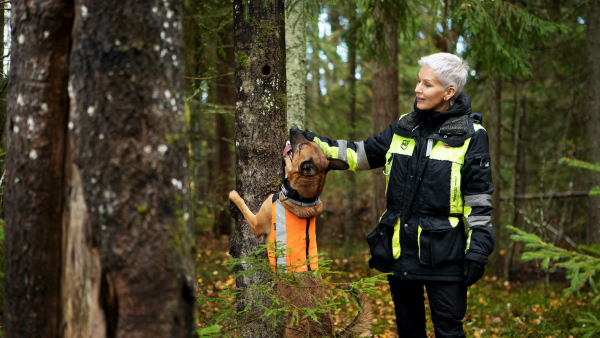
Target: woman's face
(430, 92)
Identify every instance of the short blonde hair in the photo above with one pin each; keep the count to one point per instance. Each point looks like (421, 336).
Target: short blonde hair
(449, 68)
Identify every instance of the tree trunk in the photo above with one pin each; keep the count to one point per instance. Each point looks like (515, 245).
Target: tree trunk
(494, 136)
(3, 83)
(350, 224)
(315, 90)
(260, 122)
(295, 37)
(593, 114)
(128, 199)
(385, 94)
(224, 95)
(36, 133)
(513, 179)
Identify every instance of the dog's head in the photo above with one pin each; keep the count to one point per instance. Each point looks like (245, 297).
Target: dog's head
(306, 165)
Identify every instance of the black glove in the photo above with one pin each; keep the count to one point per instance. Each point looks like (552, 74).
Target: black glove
(371, 263)
(473, 271)
(309, 135)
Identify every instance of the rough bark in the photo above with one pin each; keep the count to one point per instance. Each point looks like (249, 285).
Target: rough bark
(593, 114)
(36, 130)
(260, 122)
(385, 94)
(295, 37)
(494, 136)
(350, 224)
(224, 95)
(129, 171)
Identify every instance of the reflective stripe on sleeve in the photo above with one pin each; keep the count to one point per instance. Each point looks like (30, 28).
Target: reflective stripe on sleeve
(342, 150)
(363, 163)
(281, 232)
(482, 200)
(479, 221)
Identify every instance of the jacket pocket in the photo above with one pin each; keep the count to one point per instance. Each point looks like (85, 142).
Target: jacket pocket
(441, 245)
(380, 242)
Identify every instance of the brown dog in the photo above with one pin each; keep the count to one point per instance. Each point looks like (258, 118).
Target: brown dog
(306, 167)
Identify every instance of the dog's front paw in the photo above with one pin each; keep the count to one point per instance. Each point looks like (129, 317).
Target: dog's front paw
(233, 195)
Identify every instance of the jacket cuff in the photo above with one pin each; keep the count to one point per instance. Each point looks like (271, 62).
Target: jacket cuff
(477, 257)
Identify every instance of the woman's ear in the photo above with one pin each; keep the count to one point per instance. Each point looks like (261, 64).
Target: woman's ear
(450, 91)
(335, 164)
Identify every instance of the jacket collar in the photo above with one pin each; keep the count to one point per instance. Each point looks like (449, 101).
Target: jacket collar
(454, 120)
(451, 126)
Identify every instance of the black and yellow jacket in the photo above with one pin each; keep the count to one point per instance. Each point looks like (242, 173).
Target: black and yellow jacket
(438, 190)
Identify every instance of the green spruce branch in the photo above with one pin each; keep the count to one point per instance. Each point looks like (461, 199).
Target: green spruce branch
(581, 269)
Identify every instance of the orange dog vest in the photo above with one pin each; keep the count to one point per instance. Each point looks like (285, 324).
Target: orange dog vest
(289, 231)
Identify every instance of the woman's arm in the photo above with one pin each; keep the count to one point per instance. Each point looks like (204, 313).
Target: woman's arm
(363, 155)
(477, 193)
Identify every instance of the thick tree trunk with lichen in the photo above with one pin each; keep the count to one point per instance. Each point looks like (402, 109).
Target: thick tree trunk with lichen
(38, 109)
(295, 31)
(260, 118)
(130, 247)
(593, 115)
(385, 93)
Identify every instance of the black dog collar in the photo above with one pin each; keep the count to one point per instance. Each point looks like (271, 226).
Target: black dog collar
(292, 195)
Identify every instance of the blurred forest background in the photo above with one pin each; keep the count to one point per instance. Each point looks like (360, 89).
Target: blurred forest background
(535, 78)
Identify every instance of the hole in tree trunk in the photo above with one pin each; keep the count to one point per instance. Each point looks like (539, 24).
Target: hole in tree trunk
(266, 71)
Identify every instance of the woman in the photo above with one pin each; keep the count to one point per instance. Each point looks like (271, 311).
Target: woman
(436, 231)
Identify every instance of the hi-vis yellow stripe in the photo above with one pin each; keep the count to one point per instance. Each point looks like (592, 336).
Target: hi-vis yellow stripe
(396, 249)
(329, 151)
(469, 240)
(443, 153)
(456, 200)
(419, 240)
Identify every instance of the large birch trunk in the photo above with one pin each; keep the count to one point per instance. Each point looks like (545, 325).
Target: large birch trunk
(593, 114)
(36, 131)
(129, 252)
(260, 116)
(295, 31)
(385, 93)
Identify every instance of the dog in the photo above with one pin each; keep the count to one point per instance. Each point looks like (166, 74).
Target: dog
(306, 168)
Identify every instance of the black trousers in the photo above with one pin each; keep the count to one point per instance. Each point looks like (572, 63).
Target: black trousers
(448, 302)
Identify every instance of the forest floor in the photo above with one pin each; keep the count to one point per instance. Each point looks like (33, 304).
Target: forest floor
(496, 308)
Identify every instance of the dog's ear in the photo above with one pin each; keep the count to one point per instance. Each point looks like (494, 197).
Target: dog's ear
(335, 164)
